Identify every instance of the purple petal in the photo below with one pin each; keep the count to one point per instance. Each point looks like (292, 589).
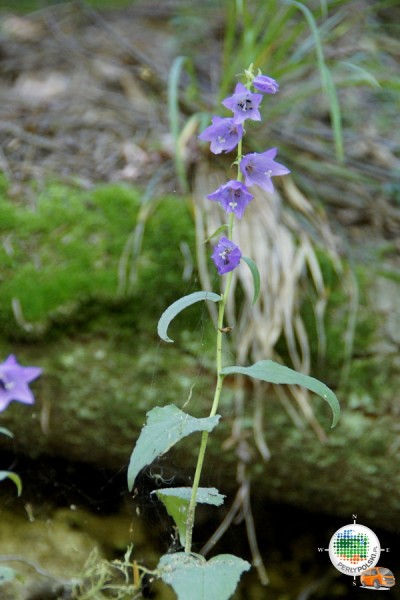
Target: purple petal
(265, 84)
(233, 197)
(14, 380)
(226, 256)
(259, 168)
(224, 134)
(244, 104)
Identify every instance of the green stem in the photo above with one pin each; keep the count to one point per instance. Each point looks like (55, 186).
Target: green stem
(214, 408)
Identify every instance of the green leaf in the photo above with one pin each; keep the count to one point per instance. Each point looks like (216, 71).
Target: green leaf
(14, 477)
(326, 78)
(268, 370)
(164, 428)
(217, 232)
(180, 305)
(6, 431)
(6, 574)
(191, 576)
(362, 74)
(177, 500)
(256, 276)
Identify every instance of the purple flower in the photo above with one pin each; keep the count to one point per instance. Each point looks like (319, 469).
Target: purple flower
(259, 168)
(224, 135)
(226, 256)
(265, 84)
(233, 196)
(13, 382)
(243, 104)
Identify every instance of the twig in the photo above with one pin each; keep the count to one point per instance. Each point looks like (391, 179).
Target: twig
(228, 520)
(30, 138)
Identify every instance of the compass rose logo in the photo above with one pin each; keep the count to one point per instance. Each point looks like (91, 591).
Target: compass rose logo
(353, 549)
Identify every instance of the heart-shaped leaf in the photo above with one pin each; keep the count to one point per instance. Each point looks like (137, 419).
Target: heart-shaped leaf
(191, 576)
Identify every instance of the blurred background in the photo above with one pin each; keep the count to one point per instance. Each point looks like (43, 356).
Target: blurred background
(103, 221)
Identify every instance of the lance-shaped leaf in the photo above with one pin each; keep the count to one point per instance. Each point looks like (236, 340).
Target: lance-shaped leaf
(177, 500)
(7, 432)
(268, 370)
(191, 576)
(177, 307)
(14, 477)
(256, 276)
(165, 426)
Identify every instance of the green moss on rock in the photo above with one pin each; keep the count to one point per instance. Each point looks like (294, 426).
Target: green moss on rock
(66, 248)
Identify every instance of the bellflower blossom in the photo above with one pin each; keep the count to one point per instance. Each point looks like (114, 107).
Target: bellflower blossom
(259, 168)
(224, 134)
(233, 196)
(265, 84)
(14, 381)
(226, 256)
(244, 104)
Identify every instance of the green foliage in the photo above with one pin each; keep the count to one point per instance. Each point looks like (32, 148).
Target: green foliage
(177, 307)
(66, 248)
(164, 428)
(287, 40)
(14, 477)
(7, 432)
(326, 79)
(191, 576)
(255, 274)
(176, 502)
(272, 372)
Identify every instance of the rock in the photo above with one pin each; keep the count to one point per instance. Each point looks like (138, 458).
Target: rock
(104, 367)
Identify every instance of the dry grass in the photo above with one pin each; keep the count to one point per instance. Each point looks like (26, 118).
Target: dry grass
(280, 233)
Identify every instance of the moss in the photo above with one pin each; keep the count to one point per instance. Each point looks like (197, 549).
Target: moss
(65, 250)
(96, 391)
(390, 274)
